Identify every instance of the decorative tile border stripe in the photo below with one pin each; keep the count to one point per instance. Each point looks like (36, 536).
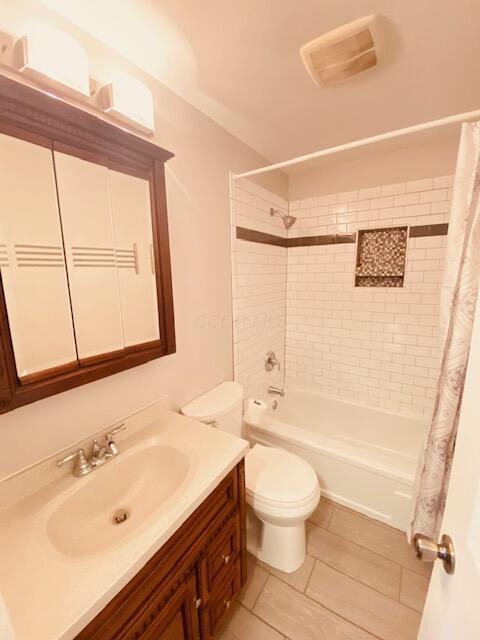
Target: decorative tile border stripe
(418, 231)
(422, 231)
(259, 236)
(329, 238)
(306, 241)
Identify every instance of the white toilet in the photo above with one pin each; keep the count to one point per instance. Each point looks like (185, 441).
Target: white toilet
(282, 490)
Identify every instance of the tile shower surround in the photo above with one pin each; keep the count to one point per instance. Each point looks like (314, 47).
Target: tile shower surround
(259, 287)
(374, 346)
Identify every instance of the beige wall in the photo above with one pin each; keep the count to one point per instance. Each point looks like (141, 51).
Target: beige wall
(199, 222)
(420, 159)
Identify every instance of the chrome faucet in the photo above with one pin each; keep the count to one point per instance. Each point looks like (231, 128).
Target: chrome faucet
(99, 455)
(277, 391)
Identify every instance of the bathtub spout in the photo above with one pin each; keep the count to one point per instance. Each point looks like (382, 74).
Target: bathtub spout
(276, 391)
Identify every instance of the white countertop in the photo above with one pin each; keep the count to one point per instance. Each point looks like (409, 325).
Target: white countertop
(51, 596)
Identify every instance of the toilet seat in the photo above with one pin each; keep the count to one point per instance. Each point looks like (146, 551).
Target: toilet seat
(278, 479)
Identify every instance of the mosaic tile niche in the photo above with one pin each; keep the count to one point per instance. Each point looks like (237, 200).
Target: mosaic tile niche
(381, 257)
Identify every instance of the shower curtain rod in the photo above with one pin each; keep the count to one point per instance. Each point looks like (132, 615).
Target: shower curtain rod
(363, 142)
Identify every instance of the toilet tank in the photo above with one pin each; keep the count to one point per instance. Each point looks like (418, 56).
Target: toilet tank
(221, 407)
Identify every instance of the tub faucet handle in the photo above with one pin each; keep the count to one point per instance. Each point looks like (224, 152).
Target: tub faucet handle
(271, 361)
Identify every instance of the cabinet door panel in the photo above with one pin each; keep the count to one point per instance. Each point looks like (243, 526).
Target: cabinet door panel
(222, 552)
(178, 620)
(217, 610)
(83, 191)
(132, 227)
(32, 260)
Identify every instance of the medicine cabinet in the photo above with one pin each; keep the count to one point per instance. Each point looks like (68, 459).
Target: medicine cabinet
(84, 254)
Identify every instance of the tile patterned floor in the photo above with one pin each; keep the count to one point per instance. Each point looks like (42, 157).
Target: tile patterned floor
(360, 581)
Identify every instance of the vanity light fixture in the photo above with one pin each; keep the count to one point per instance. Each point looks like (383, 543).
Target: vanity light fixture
(129, 101)
(52, 57)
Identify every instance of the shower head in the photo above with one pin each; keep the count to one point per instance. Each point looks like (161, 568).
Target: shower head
(288, 221)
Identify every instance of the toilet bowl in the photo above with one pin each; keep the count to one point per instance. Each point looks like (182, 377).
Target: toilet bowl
(282, 490)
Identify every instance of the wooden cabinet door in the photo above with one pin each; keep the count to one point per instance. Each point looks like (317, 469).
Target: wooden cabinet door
(220, 555)
(216, 612)
(178, 620)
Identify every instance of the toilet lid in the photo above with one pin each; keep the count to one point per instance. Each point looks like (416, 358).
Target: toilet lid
(215, 403)
(278, 476)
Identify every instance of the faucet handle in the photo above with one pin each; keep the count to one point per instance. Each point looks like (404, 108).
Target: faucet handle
(271, 361)
(80, 454)
(121, 427)
(82, 467)
(110, 441)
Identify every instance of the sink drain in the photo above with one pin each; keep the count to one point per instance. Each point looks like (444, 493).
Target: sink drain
(120, 516)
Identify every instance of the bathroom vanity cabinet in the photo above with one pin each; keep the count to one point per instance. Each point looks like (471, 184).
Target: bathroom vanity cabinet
(185, 590)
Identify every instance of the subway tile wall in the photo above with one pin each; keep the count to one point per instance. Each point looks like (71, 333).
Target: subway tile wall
(258, 288)
(418, 202)
(372, 346)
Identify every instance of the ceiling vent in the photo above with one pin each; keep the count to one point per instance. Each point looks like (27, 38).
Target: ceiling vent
(343, 52)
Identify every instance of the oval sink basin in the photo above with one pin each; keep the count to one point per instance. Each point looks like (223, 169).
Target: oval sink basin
(103, 508)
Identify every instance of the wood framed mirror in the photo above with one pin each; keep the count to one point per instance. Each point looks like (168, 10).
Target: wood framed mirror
(86, 288)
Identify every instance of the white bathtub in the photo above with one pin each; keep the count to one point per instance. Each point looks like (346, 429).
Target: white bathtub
(365, 458)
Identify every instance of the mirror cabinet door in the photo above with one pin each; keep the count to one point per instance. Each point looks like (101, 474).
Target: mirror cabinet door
(32, 261)
(132, 227)
(84, 197)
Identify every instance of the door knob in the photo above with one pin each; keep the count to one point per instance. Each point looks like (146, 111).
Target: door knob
(427, 550)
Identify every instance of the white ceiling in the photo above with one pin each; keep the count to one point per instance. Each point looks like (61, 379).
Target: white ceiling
(238, 61)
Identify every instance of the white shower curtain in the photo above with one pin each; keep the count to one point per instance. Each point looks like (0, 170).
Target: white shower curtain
(457, 305)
